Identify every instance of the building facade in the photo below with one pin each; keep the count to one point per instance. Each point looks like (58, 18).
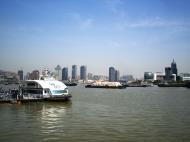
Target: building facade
(159, 76)
(20, 74)
(117, 75)
(34, 75)
(111, 74)
(74, 72)
(90, 76)
(168, 73)
(184, 76)
(174, 68)
(126, 78)
(83, 72)
(65, 73)
(58, 72)
(148, 76)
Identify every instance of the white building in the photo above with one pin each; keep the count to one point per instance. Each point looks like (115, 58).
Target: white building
(159, 76)
(185, 76)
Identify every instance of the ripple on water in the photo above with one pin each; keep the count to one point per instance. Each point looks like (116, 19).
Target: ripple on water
(133, 114)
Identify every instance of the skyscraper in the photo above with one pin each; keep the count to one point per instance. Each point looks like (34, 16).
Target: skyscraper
(83, 72)
(174, 67)
(20, 74)
(34, 75)
(58, 72)
(65, 73)
(111, 74)
(74, 72)
(90, 76)
(168, 73)
(116, 75)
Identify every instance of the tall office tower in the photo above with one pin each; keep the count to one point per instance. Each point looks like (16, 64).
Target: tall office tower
(168, 73)
(34, 75)
(117, 75)
(74, 72)
(111, 74)
(83, 72)
(20, 74)
(174, 67)
(90, 76)
(65, 73)
(58, 72)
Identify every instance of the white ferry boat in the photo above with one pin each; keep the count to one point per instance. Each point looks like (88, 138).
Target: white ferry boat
(46, 88)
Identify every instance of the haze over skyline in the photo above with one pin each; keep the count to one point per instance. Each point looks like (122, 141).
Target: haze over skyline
(131, 35)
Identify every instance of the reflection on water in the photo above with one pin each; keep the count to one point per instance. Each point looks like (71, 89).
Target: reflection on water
(52, 118)
(33, 121)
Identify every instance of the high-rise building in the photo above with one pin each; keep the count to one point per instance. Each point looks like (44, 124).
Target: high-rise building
(174, 67)
(83, 71)
(116, 75)
(168, 73)
(74, 72)
(27, 76)
(90, 76)
(111, 74)
(65, 73)
(34, 75)
(58, 72)
(20, 74)
(148, 76)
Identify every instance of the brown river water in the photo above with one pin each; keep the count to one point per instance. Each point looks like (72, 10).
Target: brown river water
(111, 115)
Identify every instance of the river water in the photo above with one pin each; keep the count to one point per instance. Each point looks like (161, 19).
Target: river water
(125, 115)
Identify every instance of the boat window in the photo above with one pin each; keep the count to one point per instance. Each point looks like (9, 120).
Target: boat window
(33, 91)
(31, 84)
(59, 91)
(46, 91)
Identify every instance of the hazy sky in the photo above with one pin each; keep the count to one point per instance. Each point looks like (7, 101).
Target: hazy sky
(132, 35)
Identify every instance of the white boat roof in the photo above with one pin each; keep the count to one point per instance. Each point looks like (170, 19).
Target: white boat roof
(51, 84)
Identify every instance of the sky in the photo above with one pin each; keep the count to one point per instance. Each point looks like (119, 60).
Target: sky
(133, 36)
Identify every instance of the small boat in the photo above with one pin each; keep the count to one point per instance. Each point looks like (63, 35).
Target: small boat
(70, 83)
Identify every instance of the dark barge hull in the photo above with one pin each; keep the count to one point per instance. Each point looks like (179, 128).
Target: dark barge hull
(171, 85)
(54, 99)
(5, 101)
(187, 85)
(71, 84)
(58, 99)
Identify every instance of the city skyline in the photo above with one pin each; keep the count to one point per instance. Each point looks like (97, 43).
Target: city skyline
(133, 36)
(170, 74)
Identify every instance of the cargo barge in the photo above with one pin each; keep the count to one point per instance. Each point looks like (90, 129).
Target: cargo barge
(105, 84)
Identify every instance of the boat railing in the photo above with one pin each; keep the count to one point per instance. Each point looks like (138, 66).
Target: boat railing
(6, 96)
(28, 96)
